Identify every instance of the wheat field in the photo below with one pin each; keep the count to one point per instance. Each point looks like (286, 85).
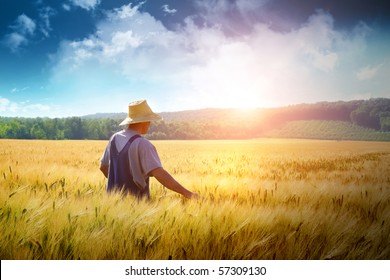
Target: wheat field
(262, 199)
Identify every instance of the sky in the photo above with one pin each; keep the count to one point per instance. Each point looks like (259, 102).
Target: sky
(77, 57)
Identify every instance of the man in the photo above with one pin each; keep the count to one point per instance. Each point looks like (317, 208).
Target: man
(129, 159)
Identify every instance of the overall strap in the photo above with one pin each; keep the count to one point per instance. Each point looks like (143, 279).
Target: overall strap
(127, 146)
(114, 149)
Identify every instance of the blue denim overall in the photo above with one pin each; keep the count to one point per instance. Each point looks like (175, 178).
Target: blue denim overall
(119, 175)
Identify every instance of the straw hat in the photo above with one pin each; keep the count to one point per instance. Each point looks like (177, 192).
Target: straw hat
(139, 111)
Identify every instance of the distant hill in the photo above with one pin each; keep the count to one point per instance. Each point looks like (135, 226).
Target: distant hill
(105, 116)
(354, 120)
(200, 115)
(342, 120)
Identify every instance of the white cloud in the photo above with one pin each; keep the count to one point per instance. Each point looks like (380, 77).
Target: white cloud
(45, 14)
(24, 25)
(233, 17)
(14, 41)
(318, 38)
(126, 30)
(82, 54)
(66, 7)
(24, 109)
(167, 10)
(121, 41)
(38, 107)
(126, 11)
(85, 4)
(204, 66)
(323, 61)
(23, 29)
(14, 90)
(368, 72)
(7, 106)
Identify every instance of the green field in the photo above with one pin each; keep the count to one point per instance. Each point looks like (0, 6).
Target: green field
(263, 199)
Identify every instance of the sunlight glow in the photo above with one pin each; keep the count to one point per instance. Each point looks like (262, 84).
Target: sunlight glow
(231, 79)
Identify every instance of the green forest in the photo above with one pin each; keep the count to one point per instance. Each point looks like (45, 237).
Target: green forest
(355, 120)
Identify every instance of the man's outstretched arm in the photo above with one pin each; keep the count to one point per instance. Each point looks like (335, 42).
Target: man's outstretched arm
(169, 182)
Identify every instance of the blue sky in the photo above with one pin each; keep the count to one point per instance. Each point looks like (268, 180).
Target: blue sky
(77, 57)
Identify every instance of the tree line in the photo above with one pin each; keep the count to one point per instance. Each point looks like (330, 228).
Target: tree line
(57, 128)
(216, 124)
(101, 129)
(373, 113)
